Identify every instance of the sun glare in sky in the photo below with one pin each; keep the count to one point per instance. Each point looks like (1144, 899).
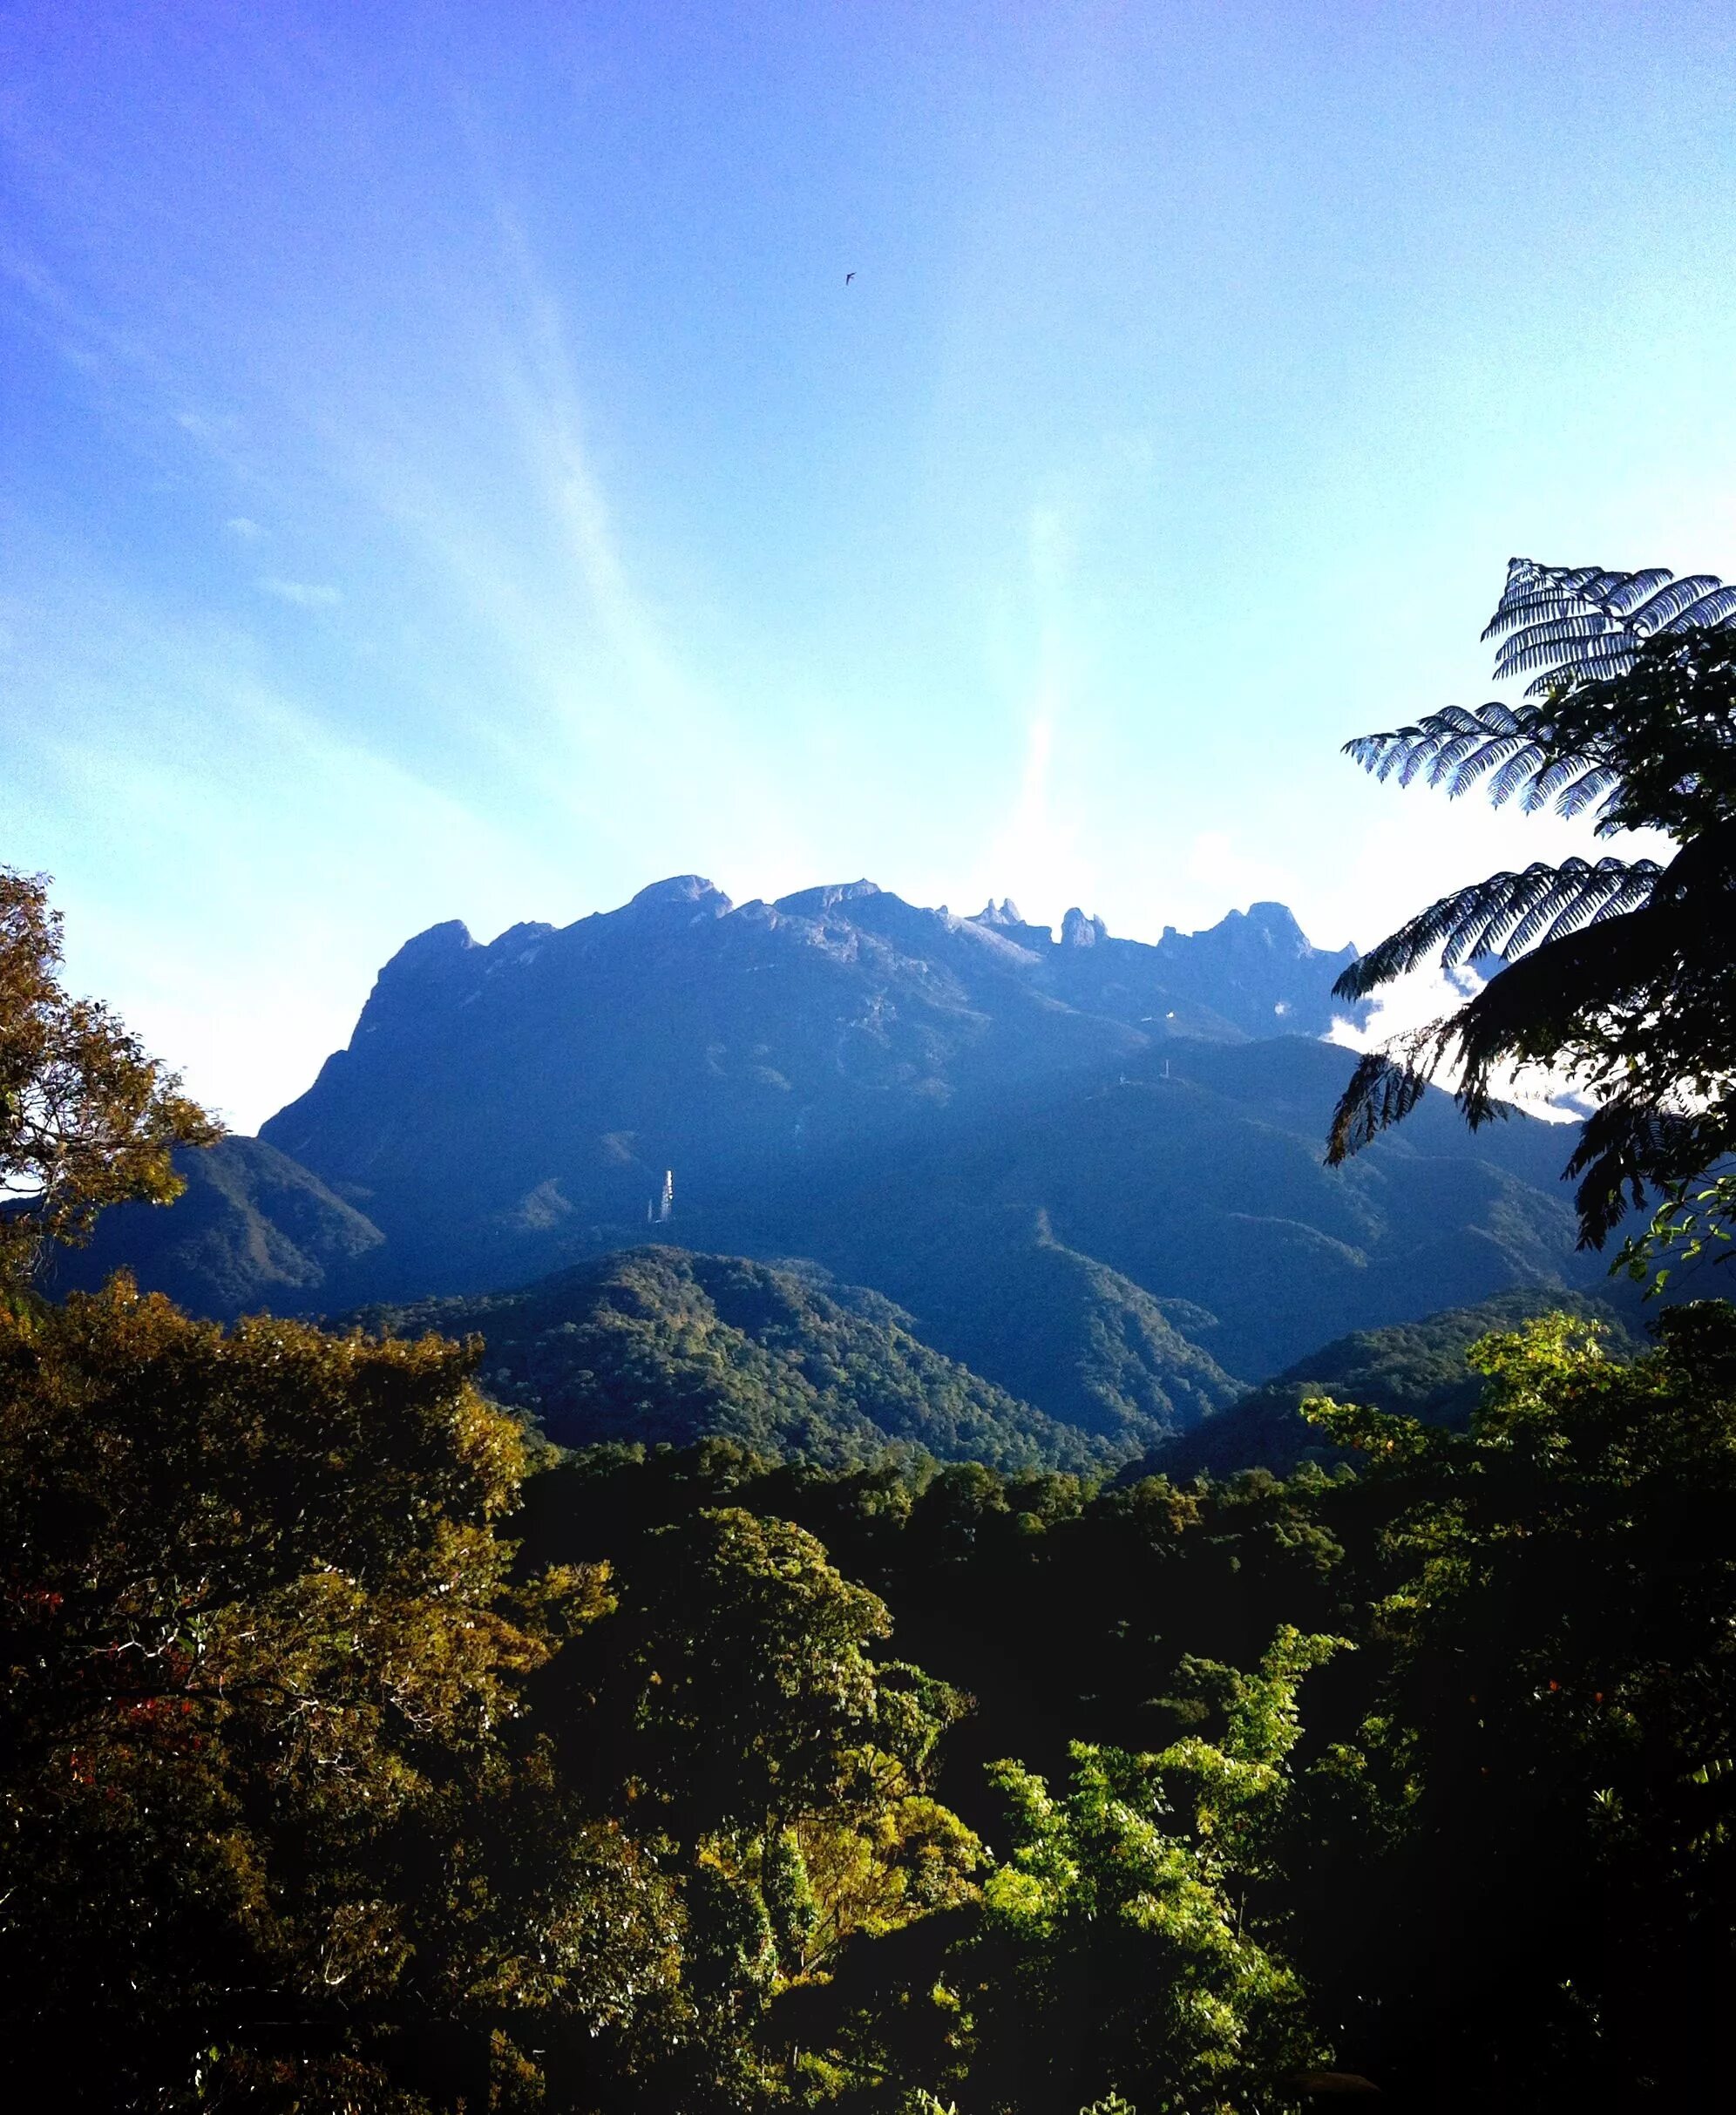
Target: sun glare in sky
(472, 461)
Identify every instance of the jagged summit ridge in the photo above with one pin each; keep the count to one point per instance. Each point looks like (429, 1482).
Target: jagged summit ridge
(545, 1080)
(682, 900)
(807, 1016)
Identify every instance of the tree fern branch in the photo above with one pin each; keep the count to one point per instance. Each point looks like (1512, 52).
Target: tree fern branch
(1572, 622)
(1505, 915)
(1383, 1090)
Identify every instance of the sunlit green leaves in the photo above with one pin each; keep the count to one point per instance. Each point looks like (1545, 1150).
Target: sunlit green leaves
(86, 1119)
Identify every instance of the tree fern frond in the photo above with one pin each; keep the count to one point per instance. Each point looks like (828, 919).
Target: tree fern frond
(1581, 899)
(1596, 781)
(1627, 1143)
(1553, 646)
(1598, 660)
(1545, 902)
(1585, 621)
(1683, 602)
(1456, 748)
(1522, 766)
(1384, 751)
(1620, 974)
(1505, 915)
(1522, 613)
(1532, 590)
(1552, 625)
(1552, 782)
(1711, 610)
(1383, 1090)
(1422, 742)
(1634, 591)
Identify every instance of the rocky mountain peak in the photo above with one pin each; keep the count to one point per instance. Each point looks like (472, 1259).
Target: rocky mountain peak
(815, 902)
(1078, 931)
(690, 892)
(1005, 912)
(435, 949)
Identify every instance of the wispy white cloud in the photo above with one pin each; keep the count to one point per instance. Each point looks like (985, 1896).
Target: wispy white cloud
(305, 594)
(240, 526)
(1036, 852)
(510, 532)
(216, 427)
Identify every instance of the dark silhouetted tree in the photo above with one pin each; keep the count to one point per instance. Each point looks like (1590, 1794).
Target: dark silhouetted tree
(1619, 973)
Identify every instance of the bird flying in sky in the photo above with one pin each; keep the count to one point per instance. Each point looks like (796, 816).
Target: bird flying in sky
(848, 277)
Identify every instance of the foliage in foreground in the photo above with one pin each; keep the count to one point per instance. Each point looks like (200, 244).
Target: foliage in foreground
(1119, 1941)
(310, 1801)
(1497, 1860)
(1551, 1762)
(86, 1119)
(272, 1813)
(320, 1794)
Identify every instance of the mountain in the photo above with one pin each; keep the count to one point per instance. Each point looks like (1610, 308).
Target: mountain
(1085, 1166)
(1195, 1174)
(1091, 1346)
(1412, 1369)
(253, 1229)
(658, 1346)
(497, 1103)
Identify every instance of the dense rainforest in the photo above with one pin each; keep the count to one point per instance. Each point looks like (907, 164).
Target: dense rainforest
(679, 1685)
(659, 1345)
(361, 1755)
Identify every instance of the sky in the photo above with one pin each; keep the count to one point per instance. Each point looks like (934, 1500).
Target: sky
(448, 469)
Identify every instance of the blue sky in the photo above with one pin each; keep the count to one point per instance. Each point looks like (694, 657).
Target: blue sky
(444, 471)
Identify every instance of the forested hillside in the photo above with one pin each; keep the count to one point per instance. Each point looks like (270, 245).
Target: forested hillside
(1412, 1369)
(656, 1346)
(1477, 1624)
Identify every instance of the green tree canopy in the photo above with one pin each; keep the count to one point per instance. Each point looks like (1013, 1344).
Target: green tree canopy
(737, 1674)
(86, 1118)
(1120, 1946)
(273, 1824)
(1540, 1805)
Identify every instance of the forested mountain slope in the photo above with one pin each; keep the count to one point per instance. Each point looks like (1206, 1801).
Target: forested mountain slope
(1194, 1176)
(656, 1346)
(1410, 1369)
(253, 1229)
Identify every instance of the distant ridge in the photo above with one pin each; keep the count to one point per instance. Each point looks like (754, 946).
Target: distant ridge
(1410, 1369)
(254, 1229)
